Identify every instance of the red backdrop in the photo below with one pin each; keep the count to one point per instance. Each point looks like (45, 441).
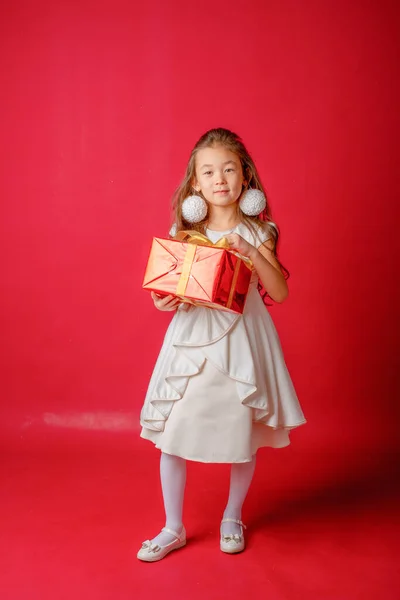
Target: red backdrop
(100, 106)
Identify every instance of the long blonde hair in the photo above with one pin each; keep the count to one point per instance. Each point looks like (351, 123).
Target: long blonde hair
(231, 141)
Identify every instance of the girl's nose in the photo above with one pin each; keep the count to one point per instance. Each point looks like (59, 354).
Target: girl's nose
(221, 177)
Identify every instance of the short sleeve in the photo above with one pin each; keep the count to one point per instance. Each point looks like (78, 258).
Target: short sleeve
(263, 235)
(256, 235)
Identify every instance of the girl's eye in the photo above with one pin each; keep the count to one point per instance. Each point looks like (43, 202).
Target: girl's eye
(207, 173)
(229, 170)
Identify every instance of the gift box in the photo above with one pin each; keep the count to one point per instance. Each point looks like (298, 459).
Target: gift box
(203, 274)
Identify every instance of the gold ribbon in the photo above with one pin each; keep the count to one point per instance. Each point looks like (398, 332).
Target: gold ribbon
(195, 238)
(233, 286)
(186, 268)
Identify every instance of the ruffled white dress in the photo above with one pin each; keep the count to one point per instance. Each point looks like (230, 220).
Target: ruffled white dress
(220, 388)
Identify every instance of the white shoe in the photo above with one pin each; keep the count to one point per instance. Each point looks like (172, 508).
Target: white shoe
(152, 552)
(233, 542)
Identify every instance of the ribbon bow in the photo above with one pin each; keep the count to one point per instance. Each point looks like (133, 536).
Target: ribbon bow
(195, 237)
(232, 537)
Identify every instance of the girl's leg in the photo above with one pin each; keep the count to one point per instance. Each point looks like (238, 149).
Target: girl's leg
(173, 480)
(241, 476)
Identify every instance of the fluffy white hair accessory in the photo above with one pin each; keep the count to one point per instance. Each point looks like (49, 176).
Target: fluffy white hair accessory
(194, 209)
(253, 203)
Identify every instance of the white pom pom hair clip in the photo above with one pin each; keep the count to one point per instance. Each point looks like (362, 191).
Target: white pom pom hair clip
(194, 208)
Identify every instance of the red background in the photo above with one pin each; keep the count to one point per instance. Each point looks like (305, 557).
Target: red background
(101, 104)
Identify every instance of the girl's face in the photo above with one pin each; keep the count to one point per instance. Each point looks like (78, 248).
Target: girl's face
(219, 175)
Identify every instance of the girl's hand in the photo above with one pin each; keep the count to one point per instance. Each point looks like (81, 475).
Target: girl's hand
(240, 245)
(165, 302)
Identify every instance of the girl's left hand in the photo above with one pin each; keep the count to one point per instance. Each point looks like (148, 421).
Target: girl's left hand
(240, 245)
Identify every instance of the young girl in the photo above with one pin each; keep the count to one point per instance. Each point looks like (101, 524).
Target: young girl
(220, 388)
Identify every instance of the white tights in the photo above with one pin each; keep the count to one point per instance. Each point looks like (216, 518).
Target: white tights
(241, 477)
(173, 480)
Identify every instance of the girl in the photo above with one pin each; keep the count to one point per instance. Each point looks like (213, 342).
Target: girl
(220, 388)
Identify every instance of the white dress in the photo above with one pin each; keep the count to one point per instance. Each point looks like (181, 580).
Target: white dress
(220, 388)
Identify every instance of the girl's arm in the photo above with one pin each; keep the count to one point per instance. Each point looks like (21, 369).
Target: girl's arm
(265, 264)
(269, 271)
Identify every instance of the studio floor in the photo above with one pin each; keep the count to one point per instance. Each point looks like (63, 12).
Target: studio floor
(76, 507)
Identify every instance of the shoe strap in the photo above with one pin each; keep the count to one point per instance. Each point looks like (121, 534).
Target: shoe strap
(228, 520)
(172, 532)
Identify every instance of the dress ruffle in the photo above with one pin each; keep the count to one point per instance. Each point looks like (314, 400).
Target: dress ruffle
(257, 367)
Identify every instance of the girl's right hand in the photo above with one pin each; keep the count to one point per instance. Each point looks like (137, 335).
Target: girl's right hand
(165, 302)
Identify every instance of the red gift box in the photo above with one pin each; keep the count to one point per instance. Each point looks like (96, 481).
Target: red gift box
(205, 275)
